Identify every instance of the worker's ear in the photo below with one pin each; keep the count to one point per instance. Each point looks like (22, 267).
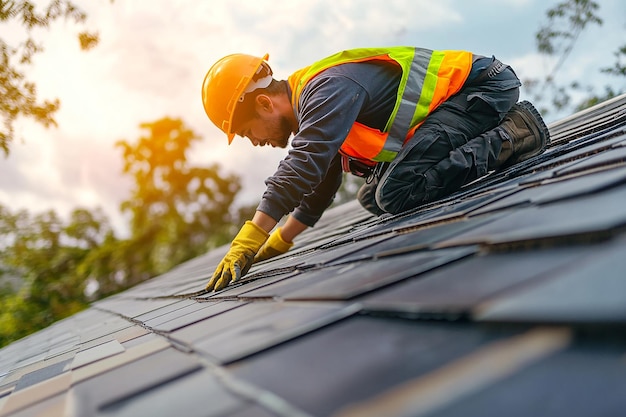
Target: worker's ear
(264, 103)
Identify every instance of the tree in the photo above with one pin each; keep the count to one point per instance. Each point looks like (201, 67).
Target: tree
(18, 96)
(46, 253)
(177, 210)
(50, 268)
(556, 39)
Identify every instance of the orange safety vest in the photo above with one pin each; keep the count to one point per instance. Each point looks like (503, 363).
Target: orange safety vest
(428, 79)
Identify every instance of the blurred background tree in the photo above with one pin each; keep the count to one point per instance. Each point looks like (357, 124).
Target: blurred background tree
(556, 39)
(18, 95)
(178, 211)
(50, 269)
(41, 256)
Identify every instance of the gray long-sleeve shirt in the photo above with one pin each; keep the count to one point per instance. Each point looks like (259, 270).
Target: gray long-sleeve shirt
(310, 175)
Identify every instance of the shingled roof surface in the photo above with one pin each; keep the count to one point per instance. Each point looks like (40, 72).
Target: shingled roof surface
(506, 299)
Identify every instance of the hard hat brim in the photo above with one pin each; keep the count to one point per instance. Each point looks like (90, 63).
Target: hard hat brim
(230, 134)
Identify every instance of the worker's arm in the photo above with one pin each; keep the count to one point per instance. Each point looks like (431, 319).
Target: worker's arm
(306, 179)
(281, 240)
(244, 247)
(264, 221)
(292, 228)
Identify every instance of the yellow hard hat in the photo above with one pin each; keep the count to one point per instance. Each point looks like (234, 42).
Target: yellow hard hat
(225, 84)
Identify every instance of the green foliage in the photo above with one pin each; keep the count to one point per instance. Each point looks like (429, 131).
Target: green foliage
(18, 96)
(177, 209)
(565, 23)
(557, 38)
(46, 253)
(619, 68)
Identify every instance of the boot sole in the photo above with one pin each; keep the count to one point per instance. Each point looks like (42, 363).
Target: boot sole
(544, 133)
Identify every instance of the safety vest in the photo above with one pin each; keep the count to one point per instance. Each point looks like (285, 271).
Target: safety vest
(428, 79)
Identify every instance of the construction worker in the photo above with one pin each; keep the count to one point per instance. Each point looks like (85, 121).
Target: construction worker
(417, 123)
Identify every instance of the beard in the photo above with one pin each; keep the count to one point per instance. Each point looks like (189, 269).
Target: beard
(283, 132)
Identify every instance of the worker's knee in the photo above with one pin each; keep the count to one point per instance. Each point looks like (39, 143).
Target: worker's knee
(395, 195)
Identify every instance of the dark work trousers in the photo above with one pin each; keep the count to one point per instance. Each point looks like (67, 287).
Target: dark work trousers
(456, 144)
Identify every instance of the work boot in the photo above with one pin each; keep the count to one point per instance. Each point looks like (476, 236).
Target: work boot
(526, 135)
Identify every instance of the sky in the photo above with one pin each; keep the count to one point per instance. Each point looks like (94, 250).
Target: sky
(153, 55)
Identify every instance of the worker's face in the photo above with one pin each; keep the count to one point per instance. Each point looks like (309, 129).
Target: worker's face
(267, 127)
(262, 130)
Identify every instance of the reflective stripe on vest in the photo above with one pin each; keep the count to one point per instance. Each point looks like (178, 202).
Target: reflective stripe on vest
(428, 78)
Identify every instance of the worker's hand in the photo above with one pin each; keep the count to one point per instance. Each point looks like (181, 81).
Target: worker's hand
(240, 256)
(274, 246)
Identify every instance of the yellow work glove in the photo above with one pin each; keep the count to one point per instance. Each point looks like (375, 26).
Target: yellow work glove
(274, 246)
(240, 256)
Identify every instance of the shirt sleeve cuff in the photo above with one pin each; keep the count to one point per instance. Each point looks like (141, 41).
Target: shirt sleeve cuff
(267, 208)
(305, 218)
